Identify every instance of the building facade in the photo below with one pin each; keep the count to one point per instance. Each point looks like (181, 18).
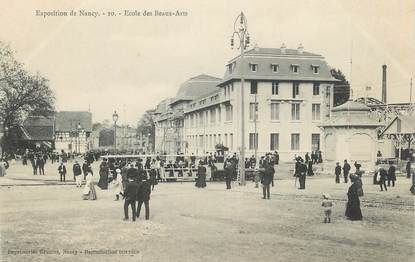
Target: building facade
(287, 94)
(170, 133)
(72, 131)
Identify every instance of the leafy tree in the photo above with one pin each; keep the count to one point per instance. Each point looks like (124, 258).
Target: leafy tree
(341, 89)
(21, 93)
(147, 127)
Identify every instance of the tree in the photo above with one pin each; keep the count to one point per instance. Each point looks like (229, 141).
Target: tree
(147, 127)
(341, 89)
(21, 93)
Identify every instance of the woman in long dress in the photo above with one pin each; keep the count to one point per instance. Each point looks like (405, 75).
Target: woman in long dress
(103, 175)
(201, 176)
(89, 192)
(353, 211)
(118, 189)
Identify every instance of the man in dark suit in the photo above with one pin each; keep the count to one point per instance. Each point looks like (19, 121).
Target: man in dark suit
(382, 180)
(391, 175)
(337, 172)
(41, 165)
(302, 174)
(143, 196)
(266, 181)
(130, 196)
(346, 170)
(62, 171)
(228, 174)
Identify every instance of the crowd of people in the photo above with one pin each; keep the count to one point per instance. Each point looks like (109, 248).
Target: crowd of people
(133, 179)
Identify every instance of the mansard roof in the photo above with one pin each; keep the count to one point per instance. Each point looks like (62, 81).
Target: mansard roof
(285, 59)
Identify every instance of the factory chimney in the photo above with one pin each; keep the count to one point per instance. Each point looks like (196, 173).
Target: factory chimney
(384, 84)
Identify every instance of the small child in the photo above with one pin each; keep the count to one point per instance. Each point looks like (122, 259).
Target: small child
(327, 206)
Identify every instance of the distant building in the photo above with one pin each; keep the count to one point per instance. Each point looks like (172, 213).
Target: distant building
(170, 114)
(38, 132)
(288, 94)
(72, 131)
(351, 134)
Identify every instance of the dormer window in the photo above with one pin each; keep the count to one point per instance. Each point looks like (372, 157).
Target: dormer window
(274, 68)
(316, 69)
(230, 68)
(295, 68)
(253, 67)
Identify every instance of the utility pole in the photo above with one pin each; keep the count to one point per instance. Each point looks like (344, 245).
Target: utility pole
(410, 95)
(242, 32)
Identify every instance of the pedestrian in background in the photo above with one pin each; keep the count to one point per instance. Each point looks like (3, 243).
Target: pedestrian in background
(327, 205)
(41, 165)
(130, 196)
(266, 181)
(346, 170)
(62, 172)
(337, 172)
(228, 174)
(143, 196)
(408, 168)
(391, 175)
(382, 178)
(77, 174)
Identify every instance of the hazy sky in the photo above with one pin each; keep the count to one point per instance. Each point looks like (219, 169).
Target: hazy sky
(131, 63)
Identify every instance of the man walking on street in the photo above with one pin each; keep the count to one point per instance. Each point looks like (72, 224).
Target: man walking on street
(337, 172)
(346, 170)
(266, 181)
(130, 196)
(41, 165)
(77, 174)
(228, 174)
(62, 171)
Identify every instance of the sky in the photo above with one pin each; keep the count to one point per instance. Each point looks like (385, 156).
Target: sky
(130, 63)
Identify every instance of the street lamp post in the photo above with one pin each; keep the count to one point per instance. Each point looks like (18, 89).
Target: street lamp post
(241, 32)
(115, 119)
(78, 129)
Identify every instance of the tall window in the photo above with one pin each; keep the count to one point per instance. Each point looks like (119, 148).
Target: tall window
(253, 111)
(315, 142)
(213, 115)
(201, 119)
(315, 111)
(275, 88)
(229, 112)
(201, 141)
(316, 89)
(275, 111)
(253, 141)
(295, 68)
(274, 68)
(275, 141)
(295, 141)
(295, 111)
(254, 87)
(296, 89)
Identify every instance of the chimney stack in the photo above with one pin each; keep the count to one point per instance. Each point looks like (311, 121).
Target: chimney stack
(384, 94)
(283, 48)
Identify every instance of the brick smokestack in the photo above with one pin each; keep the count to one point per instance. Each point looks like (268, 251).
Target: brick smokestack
(384, 93)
